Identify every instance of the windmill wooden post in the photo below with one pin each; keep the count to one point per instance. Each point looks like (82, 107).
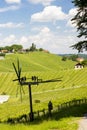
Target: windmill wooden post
(31, 115)
(34, 82)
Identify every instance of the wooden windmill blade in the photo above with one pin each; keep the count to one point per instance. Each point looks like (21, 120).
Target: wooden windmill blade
(19, 78)
(19, 68)
(17, 71)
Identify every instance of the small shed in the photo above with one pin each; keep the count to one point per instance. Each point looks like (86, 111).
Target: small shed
(78, 66)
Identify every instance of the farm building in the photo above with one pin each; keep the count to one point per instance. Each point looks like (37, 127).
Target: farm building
(4, 51)
(80, 59)
(78, 66)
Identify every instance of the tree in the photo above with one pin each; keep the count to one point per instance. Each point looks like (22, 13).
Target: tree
(81, 23)
(73, 57)
(9, 48)
(16, 47)
(64, 58)
(84, 63)
(33, 47)
(1, 48)
(41, 49)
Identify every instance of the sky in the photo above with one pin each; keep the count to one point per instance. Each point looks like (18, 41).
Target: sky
(46, 23)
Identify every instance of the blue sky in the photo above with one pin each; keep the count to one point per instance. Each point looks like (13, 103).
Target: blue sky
(43, 22)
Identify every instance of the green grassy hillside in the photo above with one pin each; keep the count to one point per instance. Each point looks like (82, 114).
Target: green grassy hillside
(73, 85)
(45, 66)
(70, 79)
(35, 61)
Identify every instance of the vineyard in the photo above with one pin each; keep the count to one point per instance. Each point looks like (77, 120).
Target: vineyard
(36, 61)
(72, 86)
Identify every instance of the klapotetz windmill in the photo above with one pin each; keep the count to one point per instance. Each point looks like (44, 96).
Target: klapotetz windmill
(34, 81)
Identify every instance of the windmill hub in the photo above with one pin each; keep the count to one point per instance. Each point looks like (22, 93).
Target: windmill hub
(23, 79)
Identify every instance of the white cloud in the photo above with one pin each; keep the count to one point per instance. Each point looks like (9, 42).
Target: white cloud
(46, 39)
(68, 31)
(0, 34)
(13, 1)
(43, 2)
(70, 23)
(49, 14)
(10, 8)
(58, 27)
(23, 40)
(71, 14)
(12, 25)
(36, 29)
(41, 37)
(45, 30)
(11, 39)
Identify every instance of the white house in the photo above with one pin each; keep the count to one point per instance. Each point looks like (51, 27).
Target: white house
(78, 66)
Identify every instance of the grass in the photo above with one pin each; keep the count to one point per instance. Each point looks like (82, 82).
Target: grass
(64, 123)
(36, 61)
(69, 123)
(17, 108)
(70, 79)
(45, 66)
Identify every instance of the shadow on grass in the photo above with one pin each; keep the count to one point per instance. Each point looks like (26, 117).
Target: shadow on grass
(73, 110)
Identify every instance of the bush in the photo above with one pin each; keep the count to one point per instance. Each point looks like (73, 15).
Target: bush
(37, 101)
(2, 54)
(64, 58)
(3, 93)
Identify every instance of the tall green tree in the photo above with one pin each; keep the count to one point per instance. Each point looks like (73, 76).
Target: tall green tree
(17, 47)
(9, 48)
(33, 47)
(80, 19)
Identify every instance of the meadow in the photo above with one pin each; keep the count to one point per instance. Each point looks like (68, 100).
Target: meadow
(46, 66)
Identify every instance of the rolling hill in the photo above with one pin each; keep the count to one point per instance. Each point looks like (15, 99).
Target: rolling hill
(35, 61)
(45, 66)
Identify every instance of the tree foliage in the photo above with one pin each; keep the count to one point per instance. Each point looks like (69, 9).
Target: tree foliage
(64, 58)
(19, 48)
(14, 47)
(33, 47)
(73, 57)
(84, 63)
(81, 23)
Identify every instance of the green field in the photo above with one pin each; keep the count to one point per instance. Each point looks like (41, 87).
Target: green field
(45, 66)
(36, 61)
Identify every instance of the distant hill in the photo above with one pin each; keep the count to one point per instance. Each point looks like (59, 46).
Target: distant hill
(80, 55)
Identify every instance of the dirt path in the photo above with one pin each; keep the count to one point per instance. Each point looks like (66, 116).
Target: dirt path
(83, 123)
